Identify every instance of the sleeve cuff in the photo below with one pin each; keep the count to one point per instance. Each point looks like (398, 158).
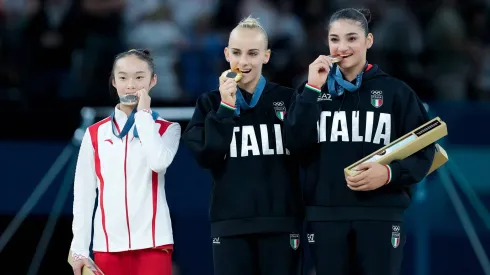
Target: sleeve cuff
(226, 110)
(144, 112)
(394, 171)
(388, 168)
(311, 93)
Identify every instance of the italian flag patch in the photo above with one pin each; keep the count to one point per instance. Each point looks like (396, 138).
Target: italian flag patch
(377, 102)
(395, 239)
(281, 115)
(376, 98)
(294, 241)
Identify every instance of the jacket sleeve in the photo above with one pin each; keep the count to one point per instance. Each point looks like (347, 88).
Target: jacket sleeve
(85, 186)
(410, 114)
(300, 123)
(159, 140)
(209, 133)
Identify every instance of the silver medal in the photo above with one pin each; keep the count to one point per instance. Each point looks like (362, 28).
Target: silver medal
(128, 99)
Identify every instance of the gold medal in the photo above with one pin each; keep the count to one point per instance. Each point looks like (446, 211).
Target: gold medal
(235, 74)
(335, 59)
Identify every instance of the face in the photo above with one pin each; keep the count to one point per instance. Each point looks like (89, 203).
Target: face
(132, 74)
(347, 39)
(247, 51)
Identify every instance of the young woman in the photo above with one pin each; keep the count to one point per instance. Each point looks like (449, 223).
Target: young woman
(347, 110)
(236, 133)
(125, 157)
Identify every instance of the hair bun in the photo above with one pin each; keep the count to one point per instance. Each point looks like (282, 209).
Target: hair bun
(366, 13)
(146, 52)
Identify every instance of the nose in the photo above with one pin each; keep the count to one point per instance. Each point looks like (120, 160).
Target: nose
(242, 61)
(131, 84)
(343, 47)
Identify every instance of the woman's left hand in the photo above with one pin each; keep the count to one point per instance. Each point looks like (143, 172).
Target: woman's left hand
(144, 100)
(372, 176)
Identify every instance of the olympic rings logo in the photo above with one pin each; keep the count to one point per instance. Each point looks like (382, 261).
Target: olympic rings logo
(376, 92)
(395, 228)
(278, 104)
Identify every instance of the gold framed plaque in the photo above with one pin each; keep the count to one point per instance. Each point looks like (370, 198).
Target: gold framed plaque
(409, 144)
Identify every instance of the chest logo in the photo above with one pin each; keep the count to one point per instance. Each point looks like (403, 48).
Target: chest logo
(376, 98)
(324, 96)
(279, 109)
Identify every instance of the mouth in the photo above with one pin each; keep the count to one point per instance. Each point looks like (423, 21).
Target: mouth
(245, 71)
(344, 56)
(128, 99)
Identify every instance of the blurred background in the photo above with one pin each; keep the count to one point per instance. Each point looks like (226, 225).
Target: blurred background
(56, 57)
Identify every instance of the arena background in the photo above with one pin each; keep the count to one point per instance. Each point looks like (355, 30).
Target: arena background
(55, 59)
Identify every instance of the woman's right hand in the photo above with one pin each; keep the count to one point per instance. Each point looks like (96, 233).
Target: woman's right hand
(318, 71)
(227, 89)
(78, 265)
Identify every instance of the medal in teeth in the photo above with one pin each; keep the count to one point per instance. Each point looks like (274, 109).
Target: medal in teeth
(235, 74)
(335, 59)
(128, 99)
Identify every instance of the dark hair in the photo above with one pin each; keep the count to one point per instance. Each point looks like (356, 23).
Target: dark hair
(143, 54)
(362, 16)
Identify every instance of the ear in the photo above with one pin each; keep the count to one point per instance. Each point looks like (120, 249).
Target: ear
(227, 54)
(369, 40)
(113, 82)
(153, 81)
(267, 56)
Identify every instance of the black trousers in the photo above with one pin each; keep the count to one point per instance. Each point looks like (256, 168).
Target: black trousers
(258, 254)
(357, 248)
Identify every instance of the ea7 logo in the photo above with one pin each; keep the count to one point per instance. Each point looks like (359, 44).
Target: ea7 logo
(311, 237)
(216, 240)
(324, 96)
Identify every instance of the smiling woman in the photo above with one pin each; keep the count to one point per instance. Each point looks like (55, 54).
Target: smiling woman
(349, 38)
(132, 71)
(125, 157)
(236, 133)
(344, 112)
(247, 51)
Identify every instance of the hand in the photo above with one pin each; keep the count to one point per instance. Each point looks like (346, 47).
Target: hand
(227, 89)
(144, 100)
(373, 176)
(78, 265)
(318, 71)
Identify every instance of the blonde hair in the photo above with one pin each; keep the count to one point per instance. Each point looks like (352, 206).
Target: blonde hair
(253, 23)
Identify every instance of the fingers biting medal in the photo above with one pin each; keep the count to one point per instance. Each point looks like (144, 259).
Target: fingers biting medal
(235, 74)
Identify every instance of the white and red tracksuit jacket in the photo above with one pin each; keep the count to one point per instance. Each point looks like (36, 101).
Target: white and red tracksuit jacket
(129, 173)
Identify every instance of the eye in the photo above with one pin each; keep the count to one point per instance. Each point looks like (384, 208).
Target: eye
(122, 77)
(333, 39)
(236, 53)
(253, 54)
(140, 77)
(352, 39)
